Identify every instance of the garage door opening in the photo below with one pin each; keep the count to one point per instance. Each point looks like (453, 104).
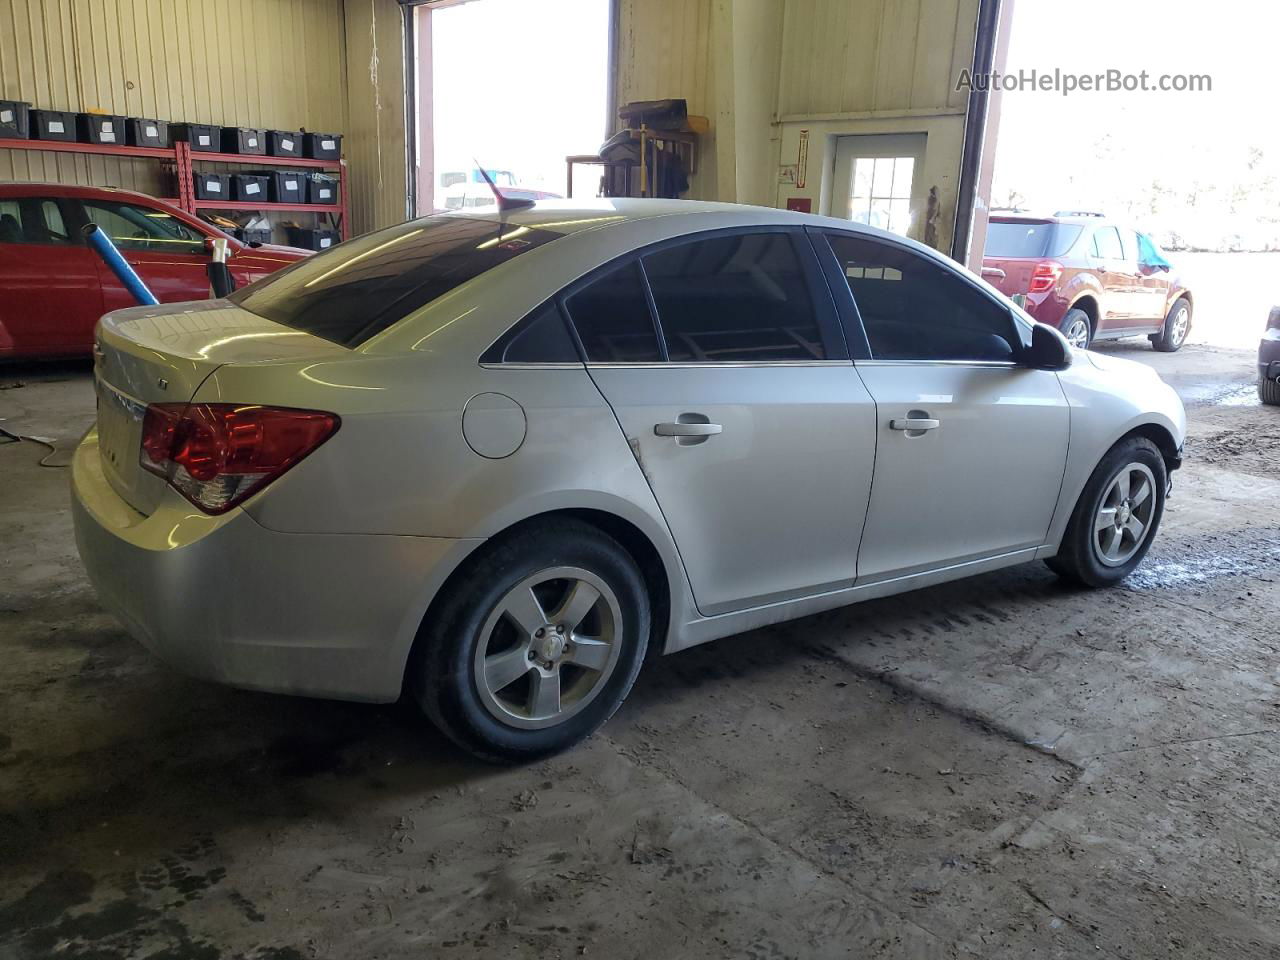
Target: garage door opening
(509, 85)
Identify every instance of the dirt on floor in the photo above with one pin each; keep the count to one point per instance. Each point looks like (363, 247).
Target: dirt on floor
(1000, 767)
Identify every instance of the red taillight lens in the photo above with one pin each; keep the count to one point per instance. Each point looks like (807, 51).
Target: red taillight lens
(217, 454)
(1045, 276)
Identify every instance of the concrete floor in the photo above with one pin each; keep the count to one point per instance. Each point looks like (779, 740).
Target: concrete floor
(1001, 767)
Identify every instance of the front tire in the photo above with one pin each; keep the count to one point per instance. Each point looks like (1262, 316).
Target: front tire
(536, 642)
(1269, 392)
(1177, 325)
(1116, 517)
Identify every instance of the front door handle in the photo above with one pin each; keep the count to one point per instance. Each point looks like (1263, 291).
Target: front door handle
(687, 429)
(915, 423)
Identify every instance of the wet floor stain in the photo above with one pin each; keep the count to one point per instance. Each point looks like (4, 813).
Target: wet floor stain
(1257, 555)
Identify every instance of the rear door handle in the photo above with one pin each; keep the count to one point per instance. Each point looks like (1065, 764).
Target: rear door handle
(915, 423)
(687, 429)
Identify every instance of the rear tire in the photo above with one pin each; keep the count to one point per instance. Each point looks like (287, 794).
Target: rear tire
(1077, 328)
(1101, 545)
(1269, 392)
(1177, 326)
(509, 680)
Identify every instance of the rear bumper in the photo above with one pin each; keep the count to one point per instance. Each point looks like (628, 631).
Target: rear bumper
(225, 599)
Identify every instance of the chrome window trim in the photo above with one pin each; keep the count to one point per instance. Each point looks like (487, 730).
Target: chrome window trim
(713, 365)
(997, 364)
(530, 365)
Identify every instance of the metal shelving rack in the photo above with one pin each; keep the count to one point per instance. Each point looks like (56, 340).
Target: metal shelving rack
(182, 157)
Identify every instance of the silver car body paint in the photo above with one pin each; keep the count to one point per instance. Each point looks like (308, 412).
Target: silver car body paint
(806, 500)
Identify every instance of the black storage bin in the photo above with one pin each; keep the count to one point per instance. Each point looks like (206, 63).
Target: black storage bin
(100, 129)
(285, 186)
(322, 146)
(284, 143)
(141, 132)
(322, 189)
(245, 140)
(212, 186)
(202, 136)
(53, 125)
(310, 239)
(13, 120)
(249, 187)
(248, 235)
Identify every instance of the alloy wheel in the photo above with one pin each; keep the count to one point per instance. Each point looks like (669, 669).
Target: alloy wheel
(1123, 521)
(1179, 327)
(1078, 334)
(548, 647)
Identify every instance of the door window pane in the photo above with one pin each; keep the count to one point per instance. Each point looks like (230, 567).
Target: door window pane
(1106, 244)
(144, 228)
(880, 194)
(734, 299)
(915, 309)
(612, 318)
(31, 220)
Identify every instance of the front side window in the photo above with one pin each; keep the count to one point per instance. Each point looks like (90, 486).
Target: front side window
(32, 220)
(915, 309)
(143, 228)
(611, 315)
(360, 288)
(735, 299)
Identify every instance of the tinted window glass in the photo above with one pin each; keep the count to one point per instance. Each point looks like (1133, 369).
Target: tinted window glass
(915, 309)
(1025, 239)
(143, 228)
(359, 288)
(612, 318)
(734, 299)
(1106, 244)
(31, 220)
(541, 338)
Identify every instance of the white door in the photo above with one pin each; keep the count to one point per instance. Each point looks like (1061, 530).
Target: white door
(875, 178)
(970, 447)
(753, 429)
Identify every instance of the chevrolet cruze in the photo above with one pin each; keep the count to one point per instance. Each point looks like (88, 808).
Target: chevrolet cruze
(492, 460)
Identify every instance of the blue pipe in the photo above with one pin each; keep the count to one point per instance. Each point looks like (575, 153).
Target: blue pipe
(101, 243)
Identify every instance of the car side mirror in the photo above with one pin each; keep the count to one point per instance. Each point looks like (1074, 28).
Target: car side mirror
(1049, 350)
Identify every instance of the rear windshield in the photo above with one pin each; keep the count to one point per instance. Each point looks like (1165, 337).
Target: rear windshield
(359, 288)
(1023, 238)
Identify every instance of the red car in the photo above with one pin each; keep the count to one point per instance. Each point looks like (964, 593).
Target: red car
(53, 288)
(1091, 278)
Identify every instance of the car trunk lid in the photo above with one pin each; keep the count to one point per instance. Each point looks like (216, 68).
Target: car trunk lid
(146, 355)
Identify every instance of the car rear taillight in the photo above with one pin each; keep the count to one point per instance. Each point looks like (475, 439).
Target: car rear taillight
(1045, 276)
(217, 454)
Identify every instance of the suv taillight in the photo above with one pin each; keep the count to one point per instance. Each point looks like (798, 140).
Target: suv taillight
(1045, 276)
(217, 454)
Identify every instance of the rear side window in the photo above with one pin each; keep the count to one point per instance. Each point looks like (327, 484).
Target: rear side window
(611, 315)
(32, 220)
(1106, 244)
(1025, 239)
(738, 298)
(542, 337)
(915, 309)
(360, 288)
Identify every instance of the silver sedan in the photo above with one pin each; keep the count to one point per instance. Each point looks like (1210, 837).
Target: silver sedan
(491, 460)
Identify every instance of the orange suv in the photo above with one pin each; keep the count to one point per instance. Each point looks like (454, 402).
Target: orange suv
(1088, 276)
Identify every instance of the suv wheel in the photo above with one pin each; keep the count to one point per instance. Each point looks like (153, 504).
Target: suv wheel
(536, 644)
(1077, 328)
(1176, 327)
(1269, 391)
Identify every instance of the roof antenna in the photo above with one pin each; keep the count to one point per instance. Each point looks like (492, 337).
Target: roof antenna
(504, 203)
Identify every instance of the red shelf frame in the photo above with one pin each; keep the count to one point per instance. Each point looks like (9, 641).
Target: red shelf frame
(182, 156)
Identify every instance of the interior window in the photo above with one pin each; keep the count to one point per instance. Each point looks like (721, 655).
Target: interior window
(612, 318)
(143, 228)
(32, 220)
(915, 309)
(1106, 244)
(541, 338)
(737, 299)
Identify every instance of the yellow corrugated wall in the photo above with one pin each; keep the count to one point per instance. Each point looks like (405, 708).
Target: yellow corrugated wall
(257, 63)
